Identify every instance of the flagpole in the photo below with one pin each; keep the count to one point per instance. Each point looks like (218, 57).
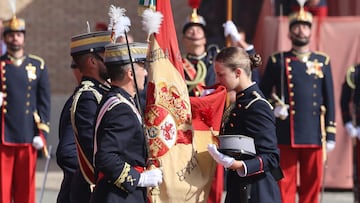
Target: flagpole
(137, 99)
(228, 17)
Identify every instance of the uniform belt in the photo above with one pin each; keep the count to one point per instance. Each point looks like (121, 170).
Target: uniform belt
(101, 175)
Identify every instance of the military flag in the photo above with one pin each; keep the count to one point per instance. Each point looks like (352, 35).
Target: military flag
(173, 143)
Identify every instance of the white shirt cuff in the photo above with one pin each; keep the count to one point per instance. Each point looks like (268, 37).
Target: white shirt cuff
(242, 173)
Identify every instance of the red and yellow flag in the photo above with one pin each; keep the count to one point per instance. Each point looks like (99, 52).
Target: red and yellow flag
(170, 118)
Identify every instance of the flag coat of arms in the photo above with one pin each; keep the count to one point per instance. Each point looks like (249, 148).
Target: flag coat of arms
(173, 142)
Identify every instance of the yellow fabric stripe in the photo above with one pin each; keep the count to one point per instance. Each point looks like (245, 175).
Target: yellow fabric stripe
(90, 40)
(43, 127)
(331, 129)
(122, 52)
(122, 177)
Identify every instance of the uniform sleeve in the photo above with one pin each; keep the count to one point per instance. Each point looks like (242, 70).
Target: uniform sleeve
(66, 154)
(85, 121)
(345, 98)
(271, 75)
(114, 136)
(329, 102)
(260, 123)
(43, 101)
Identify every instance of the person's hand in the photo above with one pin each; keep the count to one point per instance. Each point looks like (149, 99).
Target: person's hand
(281, 111)
(38, 143)
(230, 29)
(150, 178)
(330, 145)
(220, 158)
(350, 129)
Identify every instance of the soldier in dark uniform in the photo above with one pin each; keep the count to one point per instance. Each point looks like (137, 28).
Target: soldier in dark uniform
(66, 154)
(87, 51)
(198, 61)
(120, 145)
(25, 109)
(350, 110)
(250, 115)
(305, 129)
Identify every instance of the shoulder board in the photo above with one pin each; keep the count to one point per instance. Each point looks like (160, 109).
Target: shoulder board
(213, 49)
(257, 97)
(41, 60)
(274, 56)
(327, 57)
(350, 77)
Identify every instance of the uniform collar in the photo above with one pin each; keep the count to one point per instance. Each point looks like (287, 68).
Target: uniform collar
(196, 58)
(246, 92)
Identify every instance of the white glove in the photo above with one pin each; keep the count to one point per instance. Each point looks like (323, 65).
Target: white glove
(230, 29)
(150, 178)
(281, 111)
(350, 129)
(38, 143)
(330, 145)
(1, 98)
(358, 132)
(220, 158)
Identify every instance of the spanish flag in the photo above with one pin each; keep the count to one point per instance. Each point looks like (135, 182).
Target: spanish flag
(173, 142)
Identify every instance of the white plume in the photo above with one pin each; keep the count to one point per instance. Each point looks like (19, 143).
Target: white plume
(151, 21)
(301, 2)
(119, 23)
(12, 6)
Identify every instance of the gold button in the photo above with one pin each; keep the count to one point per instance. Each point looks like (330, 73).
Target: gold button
(293, 112)
(4, 103)
(290, 76)
(288, 60)
(292, 103)
(4, 111)
(233, 114)
(27, 112)
(291, 94)
(4, 94)
(231, 125)
(314, 104)
(27, 103)
(314, 94)
(29, 87)
(27, 95)
(4, 79)
(239, 105)
(291, 85)
(4, 87)
(314, 86)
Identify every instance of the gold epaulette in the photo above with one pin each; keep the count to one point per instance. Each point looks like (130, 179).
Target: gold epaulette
(327, 57)
(273, 56)
(41, 60)
(350, 77)
(257, 97)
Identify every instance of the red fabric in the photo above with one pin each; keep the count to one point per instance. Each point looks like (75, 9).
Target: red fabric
(217, 185)
(17, 174)
(194, 3)
(310, 161)
(320, 11)
(207, 112)
(167, 38)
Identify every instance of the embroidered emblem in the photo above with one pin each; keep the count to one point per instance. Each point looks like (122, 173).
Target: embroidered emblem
(31, 72)
(130, 180)
(314, 68)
